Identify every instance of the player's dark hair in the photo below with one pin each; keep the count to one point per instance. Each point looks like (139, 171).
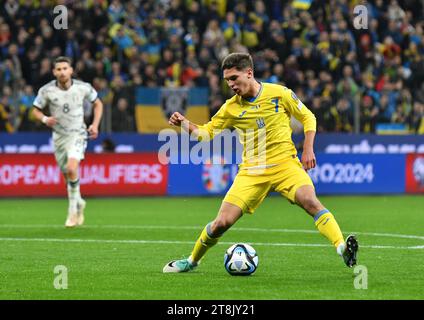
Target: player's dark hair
(62, 59)
(240, 61)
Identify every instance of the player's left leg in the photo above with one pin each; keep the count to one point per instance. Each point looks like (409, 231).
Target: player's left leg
(324, 220)
(294, 183)
(326, 224)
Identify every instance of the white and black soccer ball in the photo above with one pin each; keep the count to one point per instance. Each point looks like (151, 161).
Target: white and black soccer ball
(241, 260)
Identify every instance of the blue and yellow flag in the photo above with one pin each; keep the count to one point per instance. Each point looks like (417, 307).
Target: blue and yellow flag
(155, 105)
(302, 4)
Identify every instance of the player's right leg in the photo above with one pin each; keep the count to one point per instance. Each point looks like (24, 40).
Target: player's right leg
(74, 147)
(61, 144)
(227, 216)
(244, 196)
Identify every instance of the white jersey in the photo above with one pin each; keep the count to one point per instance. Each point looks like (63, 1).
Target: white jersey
(66, 105)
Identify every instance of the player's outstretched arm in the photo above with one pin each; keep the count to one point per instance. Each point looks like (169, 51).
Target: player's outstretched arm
(40, 116)
(177, 119)
(93, 129)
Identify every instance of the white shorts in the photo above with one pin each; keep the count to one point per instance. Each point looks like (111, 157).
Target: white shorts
(70, 146)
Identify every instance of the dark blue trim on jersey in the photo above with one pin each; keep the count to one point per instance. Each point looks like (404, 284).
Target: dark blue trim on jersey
(319, 214)
(252, 99)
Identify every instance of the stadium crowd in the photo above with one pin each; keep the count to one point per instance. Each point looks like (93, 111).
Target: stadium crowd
(118, 45)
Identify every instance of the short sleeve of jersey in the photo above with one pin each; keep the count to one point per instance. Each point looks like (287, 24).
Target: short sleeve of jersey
(91, 93)
(41, 99)
(296, 108)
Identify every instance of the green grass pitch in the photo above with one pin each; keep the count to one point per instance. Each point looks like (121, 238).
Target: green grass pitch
(120, 251)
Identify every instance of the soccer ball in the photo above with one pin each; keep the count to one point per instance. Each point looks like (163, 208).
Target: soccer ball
(240, 260)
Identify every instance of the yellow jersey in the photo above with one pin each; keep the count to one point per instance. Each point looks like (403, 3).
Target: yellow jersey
(262, 124)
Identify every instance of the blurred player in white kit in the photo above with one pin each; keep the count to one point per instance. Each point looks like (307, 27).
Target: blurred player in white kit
(64, 97)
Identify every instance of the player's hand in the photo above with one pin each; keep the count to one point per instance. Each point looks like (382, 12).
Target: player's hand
(176, 119)
(308, 159)
(93, 132)
(51, 122)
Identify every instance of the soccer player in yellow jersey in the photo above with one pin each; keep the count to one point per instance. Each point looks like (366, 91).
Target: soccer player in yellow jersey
(261, 112)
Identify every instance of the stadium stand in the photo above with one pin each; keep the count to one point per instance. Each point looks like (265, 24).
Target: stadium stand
(355, 80)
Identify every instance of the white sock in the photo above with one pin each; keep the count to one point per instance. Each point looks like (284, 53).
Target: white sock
(73, 194)
(341, 248)
(190, 260)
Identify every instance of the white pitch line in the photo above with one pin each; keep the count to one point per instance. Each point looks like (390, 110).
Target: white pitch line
(191, 242)
(376, 234)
